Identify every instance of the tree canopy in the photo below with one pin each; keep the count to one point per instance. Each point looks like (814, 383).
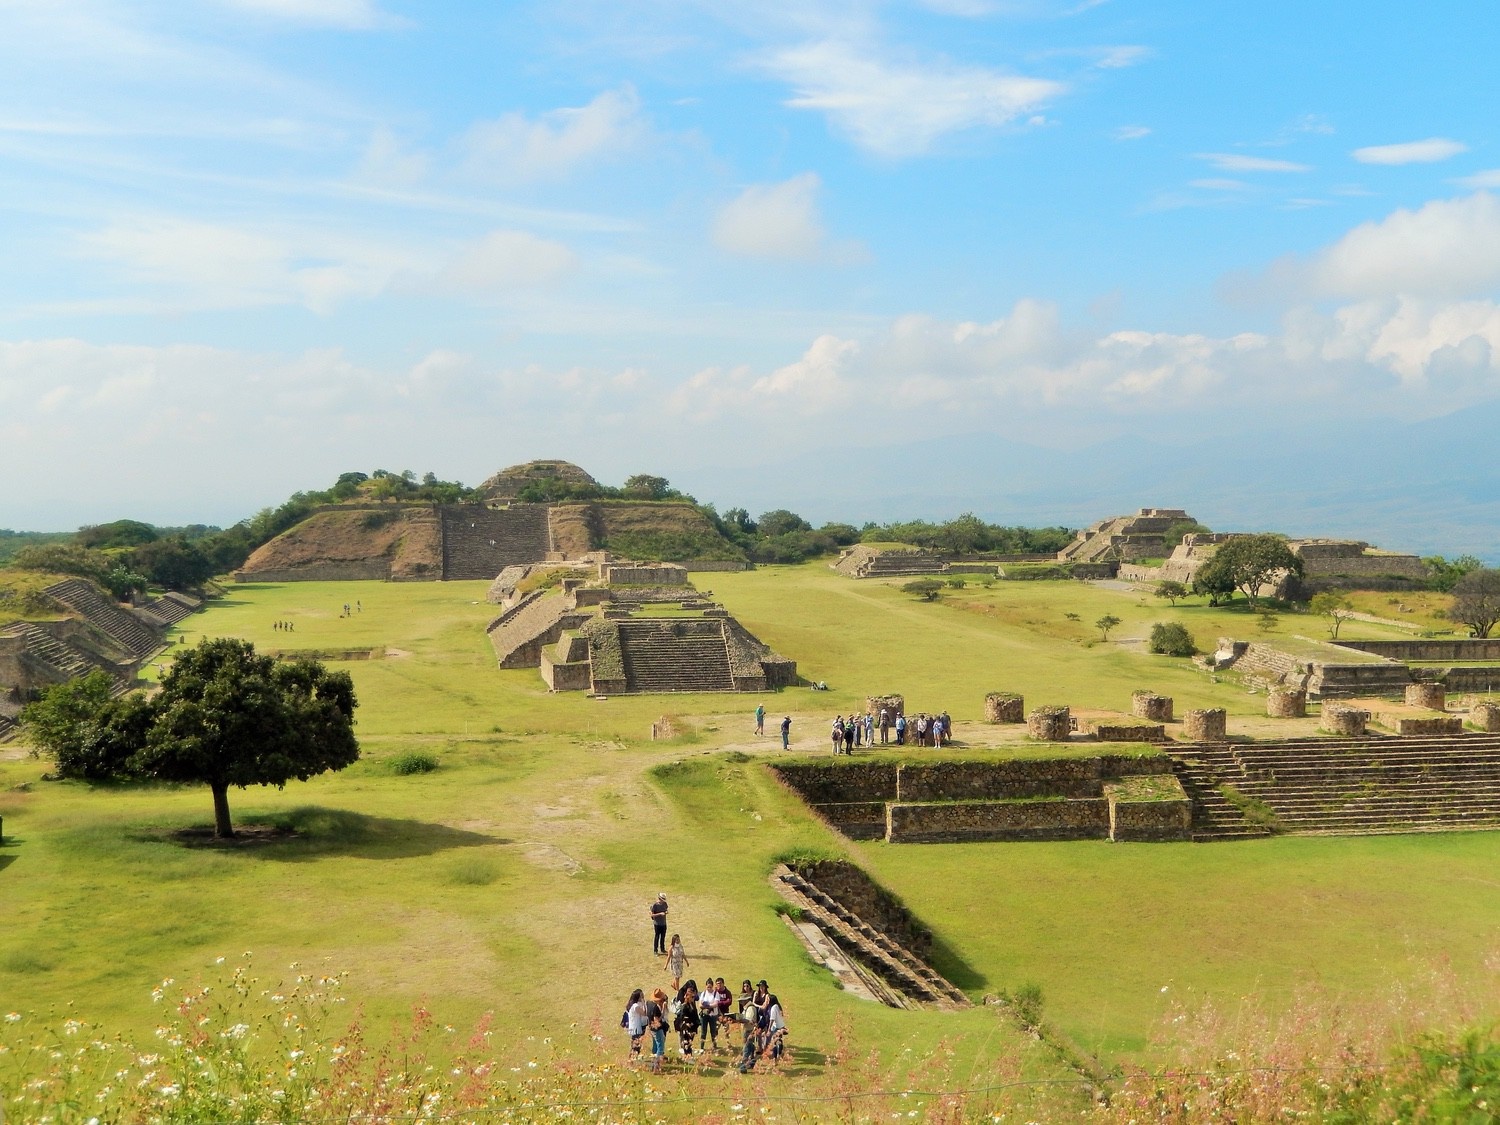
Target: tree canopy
(225, 716)
(1476, 601)
(1246, 563)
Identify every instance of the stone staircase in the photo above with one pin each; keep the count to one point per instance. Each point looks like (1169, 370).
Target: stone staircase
(85, 599)
(1201, 771)
(170, 608)
(59, 660)
(1362, 786)
(480, 542)
(7, 729)
(675, 654)
(908, 980)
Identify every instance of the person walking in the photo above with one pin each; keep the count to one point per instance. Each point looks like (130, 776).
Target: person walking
(659, 924)
(760, 719)
(786, 732)
(656, 1024)
(708, 1013)
(635, 1023)
(677, 960)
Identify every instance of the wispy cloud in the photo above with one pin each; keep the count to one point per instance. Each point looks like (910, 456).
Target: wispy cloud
(1490, 178)
(1131, 132)
(1239, 162)
(901, 108)
(349, 15)
(515, 148)
(1430, 151)
(779, 221)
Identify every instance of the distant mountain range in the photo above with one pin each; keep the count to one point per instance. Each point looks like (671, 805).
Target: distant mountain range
(1429, 487)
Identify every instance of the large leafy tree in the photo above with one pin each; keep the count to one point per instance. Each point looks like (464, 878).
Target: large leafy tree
(1476, 601)
(1246, 563)
(225, 716)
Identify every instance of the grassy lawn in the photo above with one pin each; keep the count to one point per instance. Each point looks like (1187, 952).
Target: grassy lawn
(520, 870)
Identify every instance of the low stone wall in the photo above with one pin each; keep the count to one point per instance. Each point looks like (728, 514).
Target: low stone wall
(351, 570)
(708, 566)
(1431, 696)
(1459, 651)
(859, 820)
(969, 821)
(1472, 679)
(1360, 679)
(1485, 716)
(1149, 705)
(1124, 730)
(1205, 724)
(627, 575)
(1094, 571)
(1004, 707)
(861, 895)
(1341, 719)
(855, 782)
(1150, 821)
(564, 676)
(1134, 572)
(1429, 728)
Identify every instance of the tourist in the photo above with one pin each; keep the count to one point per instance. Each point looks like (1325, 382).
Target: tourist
(634, 1022)
(947, 727)
(708, 1013)
(774, 1029)
(659, 924)
(750, 1023)
(837, 733)
(762, 995)
(859, 728)
(747, 996)
(786, 732)
(760, 719)
(686, 1022)
(656, 1023)
(885, 726)
(869, 729)
(677, 960)
(849, 736)
(900, 730)
(922, 728)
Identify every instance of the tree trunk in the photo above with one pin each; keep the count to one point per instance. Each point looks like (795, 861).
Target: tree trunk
(223, 826)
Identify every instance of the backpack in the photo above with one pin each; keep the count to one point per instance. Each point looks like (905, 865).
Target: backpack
(625, 1018)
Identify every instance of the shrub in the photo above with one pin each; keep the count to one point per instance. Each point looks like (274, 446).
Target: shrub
(1171, 639)
(413, 761)
(927, 589)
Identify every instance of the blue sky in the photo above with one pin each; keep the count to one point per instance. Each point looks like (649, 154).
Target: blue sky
(250, 244)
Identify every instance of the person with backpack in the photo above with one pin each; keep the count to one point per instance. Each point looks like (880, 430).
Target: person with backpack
(750, 1024)
(656, 1024)
(837, 733)
(686, 1022)
(849, 737)
(900, 730)
(633, 1020)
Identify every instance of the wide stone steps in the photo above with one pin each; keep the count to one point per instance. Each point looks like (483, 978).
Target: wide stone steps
(478, 543)
(42, 647)
(100, 611)
(1353, 786)
(170, 608)
(915, 979)
(658, 662)
(8, 729)
(1214, 818)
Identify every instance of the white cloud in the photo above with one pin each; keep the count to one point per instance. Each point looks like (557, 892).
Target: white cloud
(1131, 132)
(507, 259)
(778, 221)
(1430, 151)
(1238, 162)
(354, 15)
(1115, 58)
(386, 161)
(515, 148)
(1445, 248)
(1490, 178)
(176, 264)
(899, 109)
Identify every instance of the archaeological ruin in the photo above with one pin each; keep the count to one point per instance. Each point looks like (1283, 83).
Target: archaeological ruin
(614, 628)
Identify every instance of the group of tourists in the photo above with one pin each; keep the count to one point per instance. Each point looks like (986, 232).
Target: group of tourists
(859, 730)
(351, 612)
(284, 626)
(786, 726)
(696, 1015)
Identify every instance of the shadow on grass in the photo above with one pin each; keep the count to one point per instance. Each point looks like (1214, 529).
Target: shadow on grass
(6, 861)
(945, 959)
(310, 832)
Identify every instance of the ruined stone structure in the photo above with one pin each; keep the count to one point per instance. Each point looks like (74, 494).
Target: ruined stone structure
(507, 483)
(1485, 716)
(1334, 669)
(894, 705)
(1284, 703)
(1325, 562)
(1049, 724)
(1124, 538)
(1205, 724)
(1004, 707)
(1149, 705)
(641, 574)
(1432, 696)
(613, 641)
(1344, 720)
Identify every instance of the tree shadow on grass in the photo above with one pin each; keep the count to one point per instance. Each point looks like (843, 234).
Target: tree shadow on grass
(311, 832)
(6, 861)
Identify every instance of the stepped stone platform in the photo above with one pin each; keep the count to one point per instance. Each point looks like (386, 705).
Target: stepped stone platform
(885, 944)
(632, 639)
(1124, 538)
(1357, 786)
(480, 542)
(101, 611)
(37, 654)
(171, 608)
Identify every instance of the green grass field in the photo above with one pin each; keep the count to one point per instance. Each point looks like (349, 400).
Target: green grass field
(516, 876)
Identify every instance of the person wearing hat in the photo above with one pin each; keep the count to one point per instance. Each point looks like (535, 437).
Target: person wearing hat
(659, 924)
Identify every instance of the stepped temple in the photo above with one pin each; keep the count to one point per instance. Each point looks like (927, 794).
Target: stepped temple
(614, 628)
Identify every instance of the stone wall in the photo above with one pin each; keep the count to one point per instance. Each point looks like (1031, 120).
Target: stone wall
(1049, 724)
(829, 784)
(1486, 716)
(1205, 724)
(347, 570)
(1281, 704)
(1004, 707)
(707, 566)
(1149, 821)
(1149, 705)
(564, 676)
(1431, 696)
(1341, 719)
(1458, 651)
(635, 574)
(970, 821)
(858, 893)
(1126, 730)
(1429, 728)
